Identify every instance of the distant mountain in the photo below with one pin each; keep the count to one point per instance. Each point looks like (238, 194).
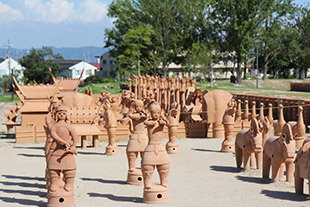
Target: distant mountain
(69, 53)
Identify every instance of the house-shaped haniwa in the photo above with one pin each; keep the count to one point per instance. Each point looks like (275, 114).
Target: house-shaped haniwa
(68, 85)
(35, 100)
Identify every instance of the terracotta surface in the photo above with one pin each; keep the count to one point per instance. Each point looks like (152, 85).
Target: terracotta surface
(35, 104)
(279, 151)
(302, 167)
(215, 104)
(299, 128)
(62, 160)
(266, 129)
(261, 113)
(248, 142)
(238, 118)
(155, 155)
(253, 111)
(110, 123)
(245, 116)
(137, 143)
(278, 124)
(229, 123)
(173, 123)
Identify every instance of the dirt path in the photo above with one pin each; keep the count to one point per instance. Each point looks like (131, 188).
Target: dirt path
(200, 175)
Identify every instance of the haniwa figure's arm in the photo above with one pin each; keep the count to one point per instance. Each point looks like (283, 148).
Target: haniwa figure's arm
(149, 122)
(58, 138)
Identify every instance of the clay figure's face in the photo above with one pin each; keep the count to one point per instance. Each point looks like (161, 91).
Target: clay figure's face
(62, 115)
(139, 107)
(155, 114)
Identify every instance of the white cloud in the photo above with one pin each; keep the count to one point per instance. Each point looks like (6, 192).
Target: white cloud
(8, 14)
(53, 11)
(59, 11)
(91, 11)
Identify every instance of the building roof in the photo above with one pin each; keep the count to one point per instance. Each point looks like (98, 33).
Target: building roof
(82, 64)
(65, 64)
(97, 65)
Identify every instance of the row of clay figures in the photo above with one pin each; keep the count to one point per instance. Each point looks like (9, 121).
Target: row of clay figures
(256, 149)
(60, 148)
(234, 121)
(164, 90)
(12, 117)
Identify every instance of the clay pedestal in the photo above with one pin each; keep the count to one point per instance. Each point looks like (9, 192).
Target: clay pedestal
(218, 130)
(135, 177)
(111, 150)
(227, 144)
(172, 148)
(157, 194)
(61, 198)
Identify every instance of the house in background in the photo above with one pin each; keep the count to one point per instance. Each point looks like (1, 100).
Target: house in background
(64, 66)
(106, 65)
(14, 65)
(76, 70)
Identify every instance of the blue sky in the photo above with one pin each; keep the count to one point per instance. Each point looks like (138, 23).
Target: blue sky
(59, 23)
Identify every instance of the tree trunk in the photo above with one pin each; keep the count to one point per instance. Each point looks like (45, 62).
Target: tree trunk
(265, 67)
(239, 72)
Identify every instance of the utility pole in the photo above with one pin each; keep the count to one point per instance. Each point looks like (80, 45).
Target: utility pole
(9, 64)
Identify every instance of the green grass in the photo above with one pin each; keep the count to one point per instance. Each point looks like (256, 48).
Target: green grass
(113, 87)
(8, 98)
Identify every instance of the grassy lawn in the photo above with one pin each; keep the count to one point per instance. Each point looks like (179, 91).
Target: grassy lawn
(113, 88)
(8, 98)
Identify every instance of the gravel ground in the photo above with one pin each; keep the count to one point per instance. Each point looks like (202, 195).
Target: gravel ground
(200, 175)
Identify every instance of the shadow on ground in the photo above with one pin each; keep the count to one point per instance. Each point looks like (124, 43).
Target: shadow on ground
(23, 177)
(206, 150)
(120, 182)
(225, 169)
(7, 136)
(25, 192)
(30, 155)
(90, 153)
(27, 185)
(31, 148)
(254, 179)
(117, 198)
(285, 195)
(25, 202)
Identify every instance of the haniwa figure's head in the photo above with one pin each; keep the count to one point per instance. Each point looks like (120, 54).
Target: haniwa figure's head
(155, 111)
(139, 105)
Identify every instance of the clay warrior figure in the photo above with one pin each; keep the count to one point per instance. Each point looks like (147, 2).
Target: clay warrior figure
(173, 123)
(110, 123)
(155, 155)
(229, 122)
(137, 143)
(62, 160)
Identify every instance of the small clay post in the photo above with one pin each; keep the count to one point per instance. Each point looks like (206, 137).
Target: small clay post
(253, 113)
(229, 122)
(261, 113)
(173, 123)
(183, 90)
(155, 155)
(266, 129)
(135, 83)
(245, 116)
(270, 116)
(62, 161)
(238, 118)
(110, 123)
(299, 130)
(129, 84)
(280, 123)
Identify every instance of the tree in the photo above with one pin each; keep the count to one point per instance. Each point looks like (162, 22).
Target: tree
(272, 30)
(236, 24)
(37, 63)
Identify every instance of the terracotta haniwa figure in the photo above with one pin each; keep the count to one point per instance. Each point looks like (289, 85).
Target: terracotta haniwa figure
(277, 152)
(247, 142)
(245, 124)
(266, 130)
(278, 124)
(173, 123)
(229, 122)
(110, 123)
(62, 160)
(155, 155)
(137, 143)
(299, 128)
(302, 167)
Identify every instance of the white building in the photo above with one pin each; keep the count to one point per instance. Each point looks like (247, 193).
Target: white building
(77, 69)
(13, 64)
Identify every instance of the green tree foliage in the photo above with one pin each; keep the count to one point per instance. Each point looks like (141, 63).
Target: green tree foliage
(37, 63)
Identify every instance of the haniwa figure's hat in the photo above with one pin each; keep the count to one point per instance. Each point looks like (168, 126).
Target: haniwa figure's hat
(61, 108)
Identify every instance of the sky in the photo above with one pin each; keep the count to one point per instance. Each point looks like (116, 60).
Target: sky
(59, 23)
